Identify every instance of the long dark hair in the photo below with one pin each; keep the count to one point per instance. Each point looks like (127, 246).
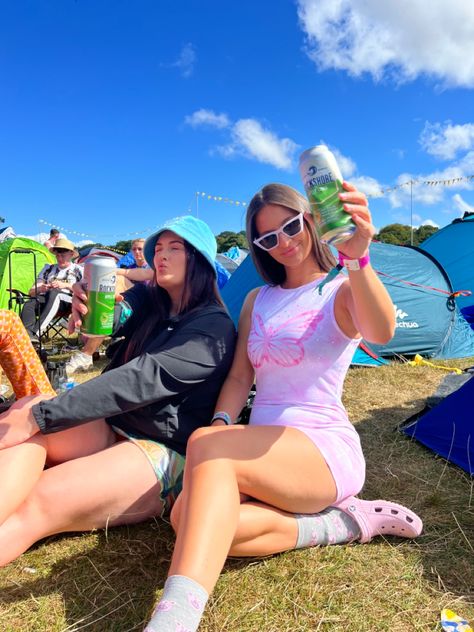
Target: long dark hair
(270, 270)
(200, 289)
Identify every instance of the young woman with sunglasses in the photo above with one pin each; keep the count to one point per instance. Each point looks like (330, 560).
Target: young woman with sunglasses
(289, 478)
(115, 444)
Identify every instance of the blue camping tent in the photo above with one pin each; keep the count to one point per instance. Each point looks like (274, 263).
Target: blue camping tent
(453, 247)
(428, 320)
(448, 429)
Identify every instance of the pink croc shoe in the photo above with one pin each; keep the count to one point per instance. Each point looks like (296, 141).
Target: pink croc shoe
(381, 517)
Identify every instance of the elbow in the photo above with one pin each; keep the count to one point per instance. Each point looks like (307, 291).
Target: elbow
(381, 336)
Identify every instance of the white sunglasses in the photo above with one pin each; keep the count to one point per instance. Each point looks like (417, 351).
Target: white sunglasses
(292, 227)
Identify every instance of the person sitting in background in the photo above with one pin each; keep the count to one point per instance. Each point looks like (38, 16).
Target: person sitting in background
(52, 290)
(53, 238)
(139, 261)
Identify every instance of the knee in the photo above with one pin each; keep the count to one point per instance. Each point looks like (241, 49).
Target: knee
(204, 443)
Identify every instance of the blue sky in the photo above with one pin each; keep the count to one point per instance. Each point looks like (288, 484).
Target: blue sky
(115, 113)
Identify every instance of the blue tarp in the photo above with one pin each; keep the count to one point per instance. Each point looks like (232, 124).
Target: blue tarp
(448, 428)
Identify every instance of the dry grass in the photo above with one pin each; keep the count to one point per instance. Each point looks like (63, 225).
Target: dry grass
(106, 582)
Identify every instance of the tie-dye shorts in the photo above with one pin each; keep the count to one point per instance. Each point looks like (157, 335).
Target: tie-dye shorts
(167, 464)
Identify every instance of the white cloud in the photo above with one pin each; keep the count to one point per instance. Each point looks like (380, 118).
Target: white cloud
(262, 144)
(461, 205)
(247, 138)
(186, 61)
(207, 118)
(83, 242)
(430, 222)
(370, 186)
(347, 166)
(397, 39)
(446, 140)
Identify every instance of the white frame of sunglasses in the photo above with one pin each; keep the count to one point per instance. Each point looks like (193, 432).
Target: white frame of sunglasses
(280, 231)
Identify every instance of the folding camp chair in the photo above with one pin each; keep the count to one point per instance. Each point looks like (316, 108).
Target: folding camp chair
(17, 300)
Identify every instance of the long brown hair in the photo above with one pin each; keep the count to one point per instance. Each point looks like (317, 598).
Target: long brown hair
(270, 270)
(200, 289)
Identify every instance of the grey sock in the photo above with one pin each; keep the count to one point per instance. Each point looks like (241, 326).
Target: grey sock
(331, 526)
(180, 607)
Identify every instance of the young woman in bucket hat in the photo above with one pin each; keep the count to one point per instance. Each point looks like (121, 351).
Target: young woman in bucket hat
(116, 443)
(289, 478)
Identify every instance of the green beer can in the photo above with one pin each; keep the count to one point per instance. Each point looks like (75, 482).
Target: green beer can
(99, 282)
(322, 180)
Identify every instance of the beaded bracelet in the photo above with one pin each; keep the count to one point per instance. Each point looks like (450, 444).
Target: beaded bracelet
(225, 417)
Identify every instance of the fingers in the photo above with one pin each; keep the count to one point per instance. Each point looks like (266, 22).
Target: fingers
(79, 291)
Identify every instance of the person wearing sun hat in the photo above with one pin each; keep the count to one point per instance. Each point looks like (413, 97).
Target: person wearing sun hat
(52, 290)
(122, 460)
(193, 230)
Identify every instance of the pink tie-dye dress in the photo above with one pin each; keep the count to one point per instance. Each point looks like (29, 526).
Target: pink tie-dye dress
(301, 358)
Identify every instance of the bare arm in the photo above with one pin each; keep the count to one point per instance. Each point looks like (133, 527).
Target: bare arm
(363, 305)
(240, 378)
(136, 274)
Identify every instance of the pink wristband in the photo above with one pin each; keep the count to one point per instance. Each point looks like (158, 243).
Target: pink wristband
(353, 264)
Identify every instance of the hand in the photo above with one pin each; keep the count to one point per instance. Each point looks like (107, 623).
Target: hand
(79, 307)
(17, 424)
(57, 285)
(356, 204)
(41, 288)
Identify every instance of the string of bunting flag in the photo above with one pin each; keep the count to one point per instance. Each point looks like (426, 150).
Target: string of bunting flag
(69, 231)
(219, 198)
(431, 183)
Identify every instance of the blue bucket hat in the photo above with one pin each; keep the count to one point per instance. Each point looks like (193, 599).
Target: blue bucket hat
(193, 230)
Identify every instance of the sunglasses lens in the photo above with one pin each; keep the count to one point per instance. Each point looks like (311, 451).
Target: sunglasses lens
(269, 241)
(293, 228)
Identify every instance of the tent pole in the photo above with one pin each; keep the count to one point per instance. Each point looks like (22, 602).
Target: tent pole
(411, 212)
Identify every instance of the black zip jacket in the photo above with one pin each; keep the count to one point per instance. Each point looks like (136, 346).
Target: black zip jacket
(163, 394)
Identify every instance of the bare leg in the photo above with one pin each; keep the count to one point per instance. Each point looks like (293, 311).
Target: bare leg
(114, 486)
(92, 344)
(278, 466)
(262, 530)
(21, 466)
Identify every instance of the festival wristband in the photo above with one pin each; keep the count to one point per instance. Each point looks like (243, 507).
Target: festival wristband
(223, 416)
(353, 264)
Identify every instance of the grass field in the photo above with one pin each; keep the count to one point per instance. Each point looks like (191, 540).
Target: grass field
(108, 581)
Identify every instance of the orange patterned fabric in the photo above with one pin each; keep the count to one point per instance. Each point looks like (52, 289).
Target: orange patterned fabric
(19, 359)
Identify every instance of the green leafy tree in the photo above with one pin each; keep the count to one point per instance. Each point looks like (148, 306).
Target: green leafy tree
(423, 232)
(400, 234)
(228, 238)
(397, 234)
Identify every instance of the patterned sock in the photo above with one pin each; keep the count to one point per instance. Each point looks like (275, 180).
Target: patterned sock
(331, 526)
(180, 607)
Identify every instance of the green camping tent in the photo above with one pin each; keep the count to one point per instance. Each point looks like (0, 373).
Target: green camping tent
(22, 254)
